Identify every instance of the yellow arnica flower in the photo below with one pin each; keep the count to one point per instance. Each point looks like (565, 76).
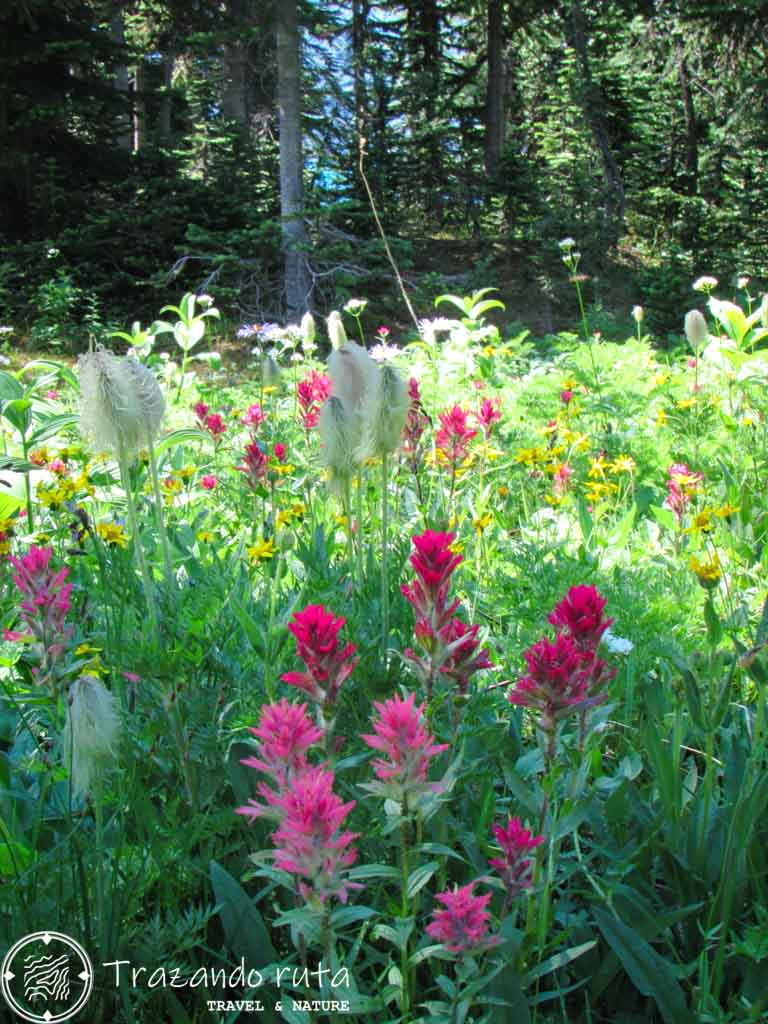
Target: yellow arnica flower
(261, 551)
(722, 513)
(686, 403)
(7, 525)
(205, 536)
(112, 534)
(661, 417)
(623, 464)
(701, 522)
(283, 517)
(599, 466)
(186, 472)
(298, 510)
(503, 491)
(709, 573)
(481, 523)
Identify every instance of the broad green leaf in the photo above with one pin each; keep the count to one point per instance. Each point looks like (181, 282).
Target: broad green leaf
(419, 878)
(18, 412)
(10, 388)
(50, 427)
(244, 926)
(507, 987)
(649, 972)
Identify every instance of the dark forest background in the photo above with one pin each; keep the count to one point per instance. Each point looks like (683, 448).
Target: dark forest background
(140, 153)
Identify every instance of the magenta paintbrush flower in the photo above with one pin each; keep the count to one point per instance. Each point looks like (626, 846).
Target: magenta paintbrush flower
(556, 683)
(581, 614)
(254, 466)
(317, 644)
(463, 656)
(454, 434)
(45, 607)
(489, 415)
(433, 562)
(463, 926)
(408, 748)
(285, 733)
(308, 842)
(514, 866)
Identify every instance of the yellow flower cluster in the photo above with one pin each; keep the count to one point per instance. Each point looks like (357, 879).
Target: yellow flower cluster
(709, 573)
(261, 551)
(112, 534)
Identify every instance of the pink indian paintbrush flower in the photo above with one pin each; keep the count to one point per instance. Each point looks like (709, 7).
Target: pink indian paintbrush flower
(253, 417)
(489, 415)
(682, 485)
(311, 393)
(556, 683)
(514, 866)
(317, 644)
(454, 434)
(416, 422)
(254, 467)
(462, 927)
(308, 842)
(209, 482)
(433, 562)
(280, 452)
(201, 410)
(285, 733)
(580, 613)
(215, 426)
(407, 745)
(462, 657)
(44, 608)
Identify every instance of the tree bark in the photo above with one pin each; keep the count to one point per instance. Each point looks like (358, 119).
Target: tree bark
(593, 107)
(295, 240)
(234, 102)
(495, 111)
(124, 137)
(691, 140)
(139, 107)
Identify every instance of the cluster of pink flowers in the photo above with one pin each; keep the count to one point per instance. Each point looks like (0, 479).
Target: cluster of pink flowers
(212, 422)
(254, 465)
(328, 663)
(253, 417)
(400, 734)
(489, 415)
(311, 392)
(463, 924)
(416, 423)
(682, 486)
(308, 842)
(450, 646)
(454, 435)
(209, 482)
(44, 608)
(565, 675)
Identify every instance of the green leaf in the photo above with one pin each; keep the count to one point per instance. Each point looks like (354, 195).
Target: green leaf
(18, 412)
(561, 959)
(244, 927)
(179, 437)
(650, 973)
(51, 426)
(419, 878)
(10, 388)
(507, 987)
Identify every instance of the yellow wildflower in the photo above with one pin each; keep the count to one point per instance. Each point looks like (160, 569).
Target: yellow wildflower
(298, 510)
(749, 419)
(7, 525)
(701, 522)
(261, 551)
(623, 464)
(286, 468)
(112, 534)
(708, 573)
(82, 483)
(722, 513)
(283, 517)
(660, 379)
(481, 523)
(686, 403)
(661, 417)
(503, 491)
(205, 536)
(186, 473)
(598, 468)
(489, 350)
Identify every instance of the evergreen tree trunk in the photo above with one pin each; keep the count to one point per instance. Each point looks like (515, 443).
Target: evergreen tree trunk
(360, 10)
(691, 141)
(234, 103)
(495, 112)
(139, 107)
(164, 127)
(124, 138)
(593, 107)
(298, 282)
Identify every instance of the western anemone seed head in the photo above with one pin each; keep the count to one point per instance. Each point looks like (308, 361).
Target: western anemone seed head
(336, 331)
(150, 396)
(90, 733)
(308, 329)
(696, 330)
(383, 414)
(354, 375)
(111, 415)
(338, 432)
(270, 370)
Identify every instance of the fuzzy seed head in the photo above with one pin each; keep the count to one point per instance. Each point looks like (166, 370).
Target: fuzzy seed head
(91, 732)
(696, 329)
(150, 396)
(111, 414)
(337, 429)
(336, 331)
(384, 413)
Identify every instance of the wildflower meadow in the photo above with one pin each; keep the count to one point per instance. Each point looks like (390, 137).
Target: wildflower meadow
(396, 676)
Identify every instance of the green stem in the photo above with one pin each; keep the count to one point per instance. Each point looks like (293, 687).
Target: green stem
(384, 556)
(27, 486)
(405, 981)
(122, 460)
(159, 511)
(347, 505)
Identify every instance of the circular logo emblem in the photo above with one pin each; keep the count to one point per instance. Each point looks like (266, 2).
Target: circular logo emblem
(46, 978)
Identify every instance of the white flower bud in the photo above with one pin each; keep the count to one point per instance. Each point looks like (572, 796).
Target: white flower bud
(696, 330)
(336, 331)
